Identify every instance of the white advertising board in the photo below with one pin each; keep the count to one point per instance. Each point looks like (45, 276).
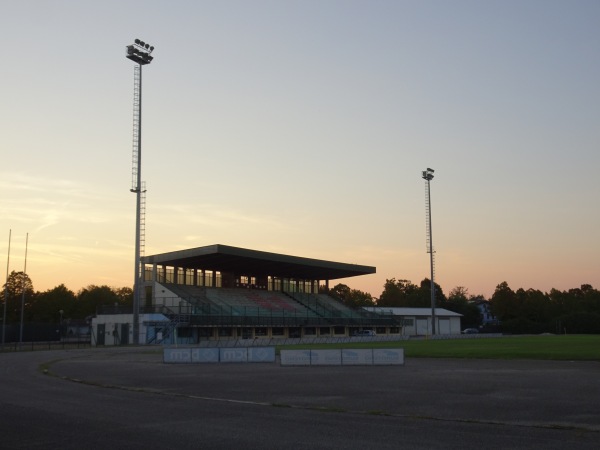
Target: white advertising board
(205, 355)
(357, 357)
(233, 355)
(216, 355)
(347, 357)
(326, 357)
(177, 355)
(295, 357)
(261, 354)
(388, 356)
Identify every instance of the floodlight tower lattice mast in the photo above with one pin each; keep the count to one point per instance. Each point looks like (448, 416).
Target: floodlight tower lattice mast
(428, 176)
(140, 53)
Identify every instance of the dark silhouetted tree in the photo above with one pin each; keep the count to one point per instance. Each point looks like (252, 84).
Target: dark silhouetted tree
(48, 304)
(458, 301)
(16, 284)
(401, 293)
(425, 294)
(352, 298)
(504, 302)
(91, 298)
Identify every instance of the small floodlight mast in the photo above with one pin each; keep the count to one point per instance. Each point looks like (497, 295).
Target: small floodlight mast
(428, 176)
(140, 53)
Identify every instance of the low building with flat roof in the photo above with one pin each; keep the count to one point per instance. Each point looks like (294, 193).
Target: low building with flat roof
(417, 321)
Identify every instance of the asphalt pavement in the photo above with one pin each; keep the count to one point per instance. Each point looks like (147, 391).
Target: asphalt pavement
(127, 398)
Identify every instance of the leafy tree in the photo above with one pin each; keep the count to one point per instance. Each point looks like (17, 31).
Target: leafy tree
(401, 293)
(459, 293)
(125, 295)
(340, 291)
(89, 299)
(16, 284)
(584, 299)
(591, 298)
(440, 298)
(533, 305)
(458, 301)
(559, 302)
(352, 297)
(576, 300)
(504, 302)
(48, 304)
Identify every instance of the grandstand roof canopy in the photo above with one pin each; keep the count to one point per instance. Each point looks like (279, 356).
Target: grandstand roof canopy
(243, 261)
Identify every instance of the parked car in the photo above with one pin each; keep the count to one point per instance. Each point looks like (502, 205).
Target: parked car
(363, 333)
(470, 331)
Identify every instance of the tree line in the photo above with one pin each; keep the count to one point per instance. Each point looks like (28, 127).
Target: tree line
(532, 311)
(522, 311)
(403, 293)
(57, 304)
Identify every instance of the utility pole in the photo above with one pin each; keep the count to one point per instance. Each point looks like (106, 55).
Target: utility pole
(23, 287)
(6, 291)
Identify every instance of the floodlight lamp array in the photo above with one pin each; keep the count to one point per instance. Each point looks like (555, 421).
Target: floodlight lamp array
(140, 52)
(428, 174)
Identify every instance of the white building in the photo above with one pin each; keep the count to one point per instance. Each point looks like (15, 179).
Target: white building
(117, 329)
(417, 321)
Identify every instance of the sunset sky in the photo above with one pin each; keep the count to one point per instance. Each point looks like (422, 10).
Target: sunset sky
(302, 127)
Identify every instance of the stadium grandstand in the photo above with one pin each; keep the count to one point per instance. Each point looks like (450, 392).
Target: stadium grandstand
(220, 292)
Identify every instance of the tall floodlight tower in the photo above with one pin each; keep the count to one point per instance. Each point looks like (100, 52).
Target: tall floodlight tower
(141, 54)
(428, 176)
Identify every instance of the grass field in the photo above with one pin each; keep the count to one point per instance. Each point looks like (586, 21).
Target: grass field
(569, 347)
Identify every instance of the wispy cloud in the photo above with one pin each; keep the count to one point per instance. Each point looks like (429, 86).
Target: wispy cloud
(19, 182)
(40, 203)
(214, 216)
